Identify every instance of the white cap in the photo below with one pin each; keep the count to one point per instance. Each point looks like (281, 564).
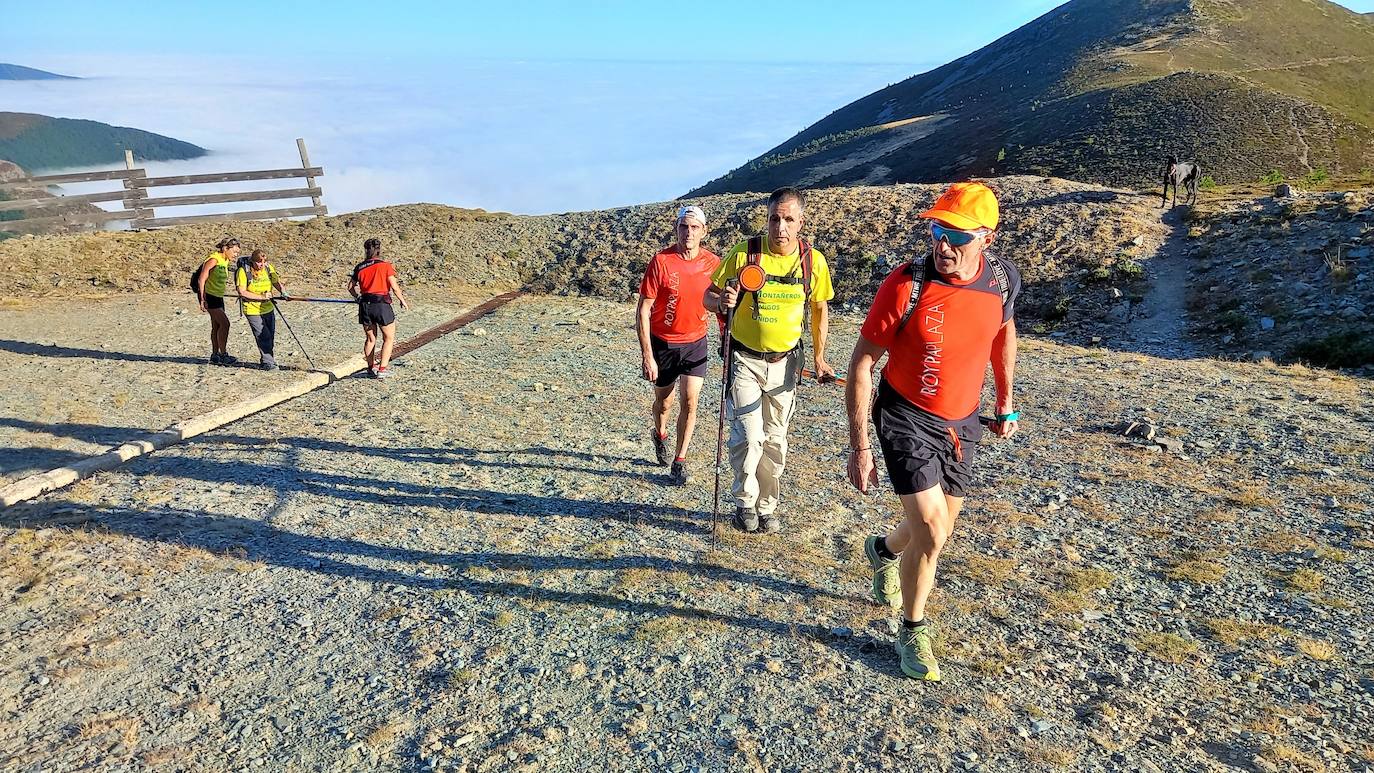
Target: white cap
(692, 211)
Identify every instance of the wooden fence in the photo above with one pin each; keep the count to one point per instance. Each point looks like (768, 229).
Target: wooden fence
(140, 209)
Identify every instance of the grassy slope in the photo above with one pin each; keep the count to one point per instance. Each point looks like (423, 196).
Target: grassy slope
(39, 142)
(1103, 68)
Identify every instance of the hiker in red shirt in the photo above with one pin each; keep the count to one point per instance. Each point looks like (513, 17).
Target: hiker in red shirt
(372, 284)
(940, 319)
(671, 323)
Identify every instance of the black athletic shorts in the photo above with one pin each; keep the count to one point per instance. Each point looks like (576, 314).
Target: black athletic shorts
(376, 314)
(678, 360)
(921, 449)
(214, 301)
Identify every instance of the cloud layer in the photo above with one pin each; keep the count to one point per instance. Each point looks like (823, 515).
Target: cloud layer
(518, 136)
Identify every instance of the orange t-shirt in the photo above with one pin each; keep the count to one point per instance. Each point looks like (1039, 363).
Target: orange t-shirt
(938, 361)
(676, 285)
(372, 276)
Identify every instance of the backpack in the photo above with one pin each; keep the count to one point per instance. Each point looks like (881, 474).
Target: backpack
(924, 267)
(243, 262)
(755, 248)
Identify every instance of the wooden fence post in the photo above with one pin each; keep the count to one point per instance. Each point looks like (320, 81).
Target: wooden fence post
(305, 163)
(135, 193)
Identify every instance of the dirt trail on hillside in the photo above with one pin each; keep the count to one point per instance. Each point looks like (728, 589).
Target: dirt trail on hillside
(1161, 327)
(475, 567)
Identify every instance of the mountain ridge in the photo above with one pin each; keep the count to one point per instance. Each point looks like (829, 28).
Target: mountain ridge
(1100, 92)
(38, 142)
(18, 72)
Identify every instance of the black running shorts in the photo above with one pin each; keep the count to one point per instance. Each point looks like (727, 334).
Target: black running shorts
(921, 449)
(214, 302)
(678, 360)
(380, 314)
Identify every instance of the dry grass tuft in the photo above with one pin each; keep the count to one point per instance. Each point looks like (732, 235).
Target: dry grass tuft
(662, 632)
(1251, 494)
(385, 735)
(1168, 647)
(1290, 758)
(1052, 756)
(1317, 649)
(126, 729)
(1305, 580)
(984, 570)
(1197, 568)
(1088, 579)
(165, 755)
(1233, 632)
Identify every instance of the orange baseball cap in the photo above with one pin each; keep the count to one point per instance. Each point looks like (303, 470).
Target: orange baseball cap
(966, 206)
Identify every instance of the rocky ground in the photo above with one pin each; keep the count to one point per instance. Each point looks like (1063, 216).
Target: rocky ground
(1287, 277)
(475, 567)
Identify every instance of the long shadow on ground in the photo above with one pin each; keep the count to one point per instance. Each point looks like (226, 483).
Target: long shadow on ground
(273, 545)
(27, 347)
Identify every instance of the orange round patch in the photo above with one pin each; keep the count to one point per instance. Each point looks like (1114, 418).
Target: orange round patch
(752, 278)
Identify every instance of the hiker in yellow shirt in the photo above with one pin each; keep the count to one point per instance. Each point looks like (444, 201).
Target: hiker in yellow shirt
(255, 282)
(766, 351)
(212, 282)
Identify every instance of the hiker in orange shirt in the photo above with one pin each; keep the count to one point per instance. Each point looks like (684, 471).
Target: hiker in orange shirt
(940, 319)
(671, 323)
(372, 284)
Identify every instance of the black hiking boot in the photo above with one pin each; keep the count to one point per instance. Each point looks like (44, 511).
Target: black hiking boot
(679, 474)
(660, 449)
(746, 519)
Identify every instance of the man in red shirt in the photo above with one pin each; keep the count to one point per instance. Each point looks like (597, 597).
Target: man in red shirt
(671, 323)
(939, 319)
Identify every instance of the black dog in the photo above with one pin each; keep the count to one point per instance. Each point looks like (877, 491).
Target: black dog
(1188, 175)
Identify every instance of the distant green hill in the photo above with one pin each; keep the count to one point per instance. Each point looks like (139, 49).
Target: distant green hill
(15, 72)
(39, 142)
(1101, 91)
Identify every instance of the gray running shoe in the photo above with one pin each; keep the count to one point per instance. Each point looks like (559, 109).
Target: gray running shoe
(384, 373)
(660, 448)
(228, 359)
(746, 519)
(887, 582)
(772, 524)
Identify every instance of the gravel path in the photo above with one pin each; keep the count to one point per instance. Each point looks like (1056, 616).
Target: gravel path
(136, 362)
(474, 567)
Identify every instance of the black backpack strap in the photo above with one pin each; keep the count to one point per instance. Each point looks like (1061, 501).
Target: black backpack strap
(755, 248)
(999, 275)
(919, 269)
(806, 271)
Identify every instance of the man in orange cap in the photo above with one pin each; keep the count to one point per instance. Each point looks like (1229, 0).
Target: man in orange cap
(940, 319)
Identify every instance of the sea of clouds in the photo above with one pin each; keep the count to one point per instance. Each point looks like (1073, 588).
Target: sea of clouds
(522, 136)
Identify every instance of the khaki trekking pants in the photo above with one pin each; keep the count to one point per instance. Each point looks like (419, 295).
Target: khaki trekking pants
(760, 405)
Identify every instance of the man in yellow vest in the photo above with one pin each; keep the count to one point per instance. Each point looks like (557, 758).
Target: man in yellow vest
(766, 351)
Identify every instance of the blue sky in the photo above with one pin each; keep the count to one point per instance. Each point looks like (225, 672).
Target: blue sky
(527, 106)
(803, 30)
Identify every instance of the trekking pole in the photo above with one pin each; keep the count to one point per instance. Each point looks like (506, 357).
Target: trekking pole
(720, 426)
(277, 306)
(323, 300)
